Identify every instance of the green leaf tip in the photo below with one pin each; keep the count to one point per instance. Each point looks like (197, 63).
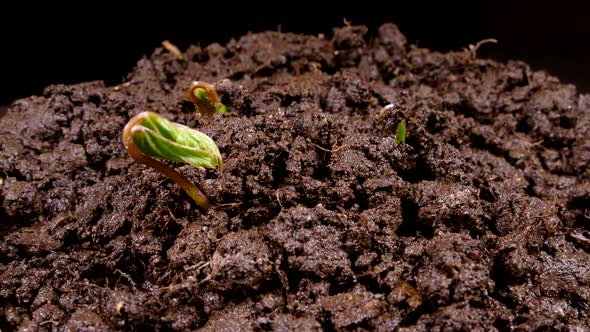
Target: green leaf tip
(221, 109)
(158, 137)
(400, 136)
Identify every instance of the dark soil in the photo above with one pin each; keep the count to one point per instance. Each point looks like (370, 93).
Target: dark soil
(480, 222)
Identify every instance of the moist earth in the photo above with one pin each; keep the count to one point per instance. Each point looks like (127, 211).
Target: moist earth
(321, 221)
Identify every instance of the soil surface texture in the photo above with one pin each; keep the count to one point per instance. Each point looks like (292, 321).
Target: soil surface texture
(480, 222)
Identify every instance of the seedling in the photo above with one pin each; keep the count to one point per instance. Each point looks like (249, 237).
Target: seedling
(149, 135)
(400, 135)
(204, 96)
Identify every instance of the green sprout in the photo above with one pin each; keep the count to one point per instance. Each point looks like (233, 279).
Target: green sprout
(149, 135)
(400, 135)
(205, 98)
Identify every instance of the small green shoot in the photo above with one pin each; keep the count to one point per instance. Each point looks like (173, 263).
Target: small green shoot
(149, 135)
(400, 135)
(205, 98)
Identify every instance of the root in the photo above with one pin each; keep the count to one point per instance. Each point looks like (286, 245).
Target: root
(336, 149)
(172, 49)
(473, 48)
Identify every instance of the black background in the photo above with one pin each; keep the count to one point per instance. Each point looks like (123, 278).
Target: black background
(45, 42)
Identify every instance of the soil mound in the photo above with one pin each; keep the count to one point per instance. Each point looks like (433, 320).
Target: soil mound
(322, 222)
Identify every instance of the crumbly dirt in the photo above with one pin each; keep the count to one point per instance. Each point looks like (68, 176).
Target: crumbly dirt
(480, 222)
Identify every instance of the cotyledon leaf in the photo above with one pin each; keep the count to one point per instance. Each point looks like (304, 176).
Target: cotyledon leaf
(203, 96)
(161, 138)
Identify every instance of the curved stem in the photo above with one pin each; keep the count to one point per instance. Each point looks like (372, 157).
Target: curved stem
(213, 97)
(191, 189)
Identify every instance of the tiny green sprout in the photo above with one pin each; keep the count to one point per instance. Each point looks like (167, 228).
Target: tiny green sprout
(204, 96)
(400, 135)
(149, 135)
